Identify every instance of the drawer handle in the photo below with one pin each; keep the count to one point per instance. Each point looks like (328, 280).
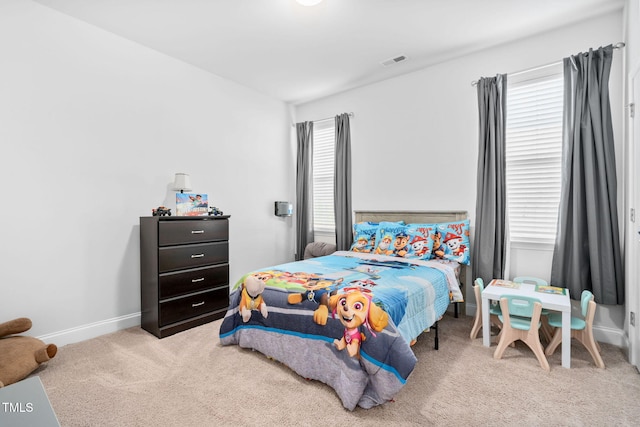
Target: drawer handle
(197, 255)
(197, 280)
(197, 231)
(197, 304)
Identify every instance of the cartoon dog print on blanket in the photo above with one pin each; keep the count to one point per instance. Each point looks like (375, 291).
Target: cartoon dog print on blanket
(354, 308)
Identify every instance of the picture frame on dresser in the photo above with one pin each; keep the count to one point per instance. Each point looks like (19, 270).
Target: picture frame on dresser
(184, 272)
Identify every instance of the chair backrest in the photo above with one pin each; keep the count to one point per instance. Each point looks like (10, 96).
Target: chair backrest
(478, 287)
(318, 249)
(520, 306)
(585, 298)
(520, 312)
(530, 279)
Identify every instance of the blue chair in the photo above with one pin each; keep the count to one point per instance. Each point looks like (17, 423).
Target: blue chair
(494, 311)
(521, 321)
(532, 280)
(547, 331)
(581, 329)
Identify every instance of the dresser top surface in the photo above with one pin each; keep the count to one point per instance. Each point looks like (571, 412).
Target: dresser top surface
(187, 218)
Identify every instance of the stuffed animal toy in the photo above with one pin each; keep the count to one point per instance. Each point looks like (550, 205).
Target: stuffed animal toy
(20, 355)
(354, 308)
(251, 297)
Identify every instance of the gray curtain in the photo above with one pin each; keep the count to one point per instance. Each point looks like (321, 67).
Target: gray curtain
(342, 183)
(304, 188)
(488, 254)
(587, 253)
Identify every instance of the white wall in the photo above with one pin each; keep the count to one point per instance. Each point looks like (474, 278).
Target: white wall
(415, 137)
(92, 129)
(632, 69)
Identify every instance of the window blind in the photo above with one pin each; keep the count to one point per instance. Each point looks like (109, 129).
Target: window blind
(534, 154)
(323, 167)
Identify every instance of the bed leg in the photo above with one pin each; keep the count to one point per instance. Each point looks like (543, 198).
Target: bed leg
(455, 310)
(435, 326)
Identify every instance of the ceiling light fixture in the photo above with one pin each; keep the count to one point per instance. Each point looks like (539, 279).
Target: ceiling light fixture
(308, 2)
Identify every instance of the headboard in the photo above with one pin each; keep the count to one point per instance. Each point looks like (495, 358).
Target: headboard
(423, 217)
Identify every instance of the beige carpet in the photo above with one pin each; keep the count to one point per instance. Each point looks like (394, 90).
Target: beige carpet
(131, 378)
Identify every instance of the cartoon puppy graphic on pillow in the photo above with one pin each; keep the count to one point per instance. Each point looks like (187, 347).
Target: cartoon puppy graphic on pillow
(354, 308)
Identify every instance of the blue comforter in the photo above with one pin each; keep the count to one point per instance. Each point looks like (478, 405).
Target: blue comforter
(414, 294)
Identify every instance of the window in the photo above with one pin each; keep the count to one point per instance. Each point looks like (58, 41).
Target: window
(323, 166)
(534, 154)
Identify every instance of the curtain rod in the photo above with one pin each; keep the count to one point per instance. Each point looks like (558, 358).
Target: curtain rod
(323, 120)
(618, 45)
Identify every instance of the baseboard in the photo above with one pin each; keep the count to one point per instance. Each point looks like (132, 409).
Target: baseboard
(610, 336)
(602, 334)
(91, 330)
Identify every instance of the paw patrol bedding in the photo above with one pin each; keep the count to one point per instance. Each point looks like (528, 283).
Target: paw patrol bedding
(308, 317)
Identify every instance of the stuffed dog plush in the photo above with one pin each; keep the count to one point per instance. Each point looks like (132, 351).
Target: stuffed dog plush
(20, 355)
(251, 297)
(354, 308)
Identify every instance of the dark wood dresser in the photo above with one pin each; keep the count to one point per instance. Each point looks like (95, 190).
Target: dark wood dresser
(184, 272)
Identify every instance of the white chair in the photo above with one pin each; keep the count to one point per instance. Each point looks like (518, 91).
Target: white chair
(581, 329)
(521, 321)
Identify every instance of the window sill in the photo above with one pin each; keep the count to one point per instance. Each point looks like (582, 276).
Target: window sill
(535, 246)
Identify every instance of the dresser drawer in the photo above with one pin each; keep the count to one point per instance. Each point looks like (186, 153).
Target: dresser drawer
(179, 232)
(193, 280)
(179, 257)
(193, 305)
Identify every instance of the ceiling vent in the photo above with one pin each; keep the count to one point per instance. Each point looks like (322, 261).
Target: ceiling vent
(395, 60)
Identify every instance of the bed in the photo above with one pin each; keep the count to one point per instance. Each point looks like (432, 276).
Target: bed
(349, 319)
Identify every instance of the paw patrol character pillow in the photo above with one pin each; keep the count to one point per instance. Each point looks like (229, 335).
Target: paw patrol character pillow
(392, 239)
(420, 240)
(451, 241)
(364, 237)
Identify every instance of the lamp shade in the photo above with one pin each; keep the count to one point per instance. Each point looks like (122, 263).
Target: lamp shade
(182, 182)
